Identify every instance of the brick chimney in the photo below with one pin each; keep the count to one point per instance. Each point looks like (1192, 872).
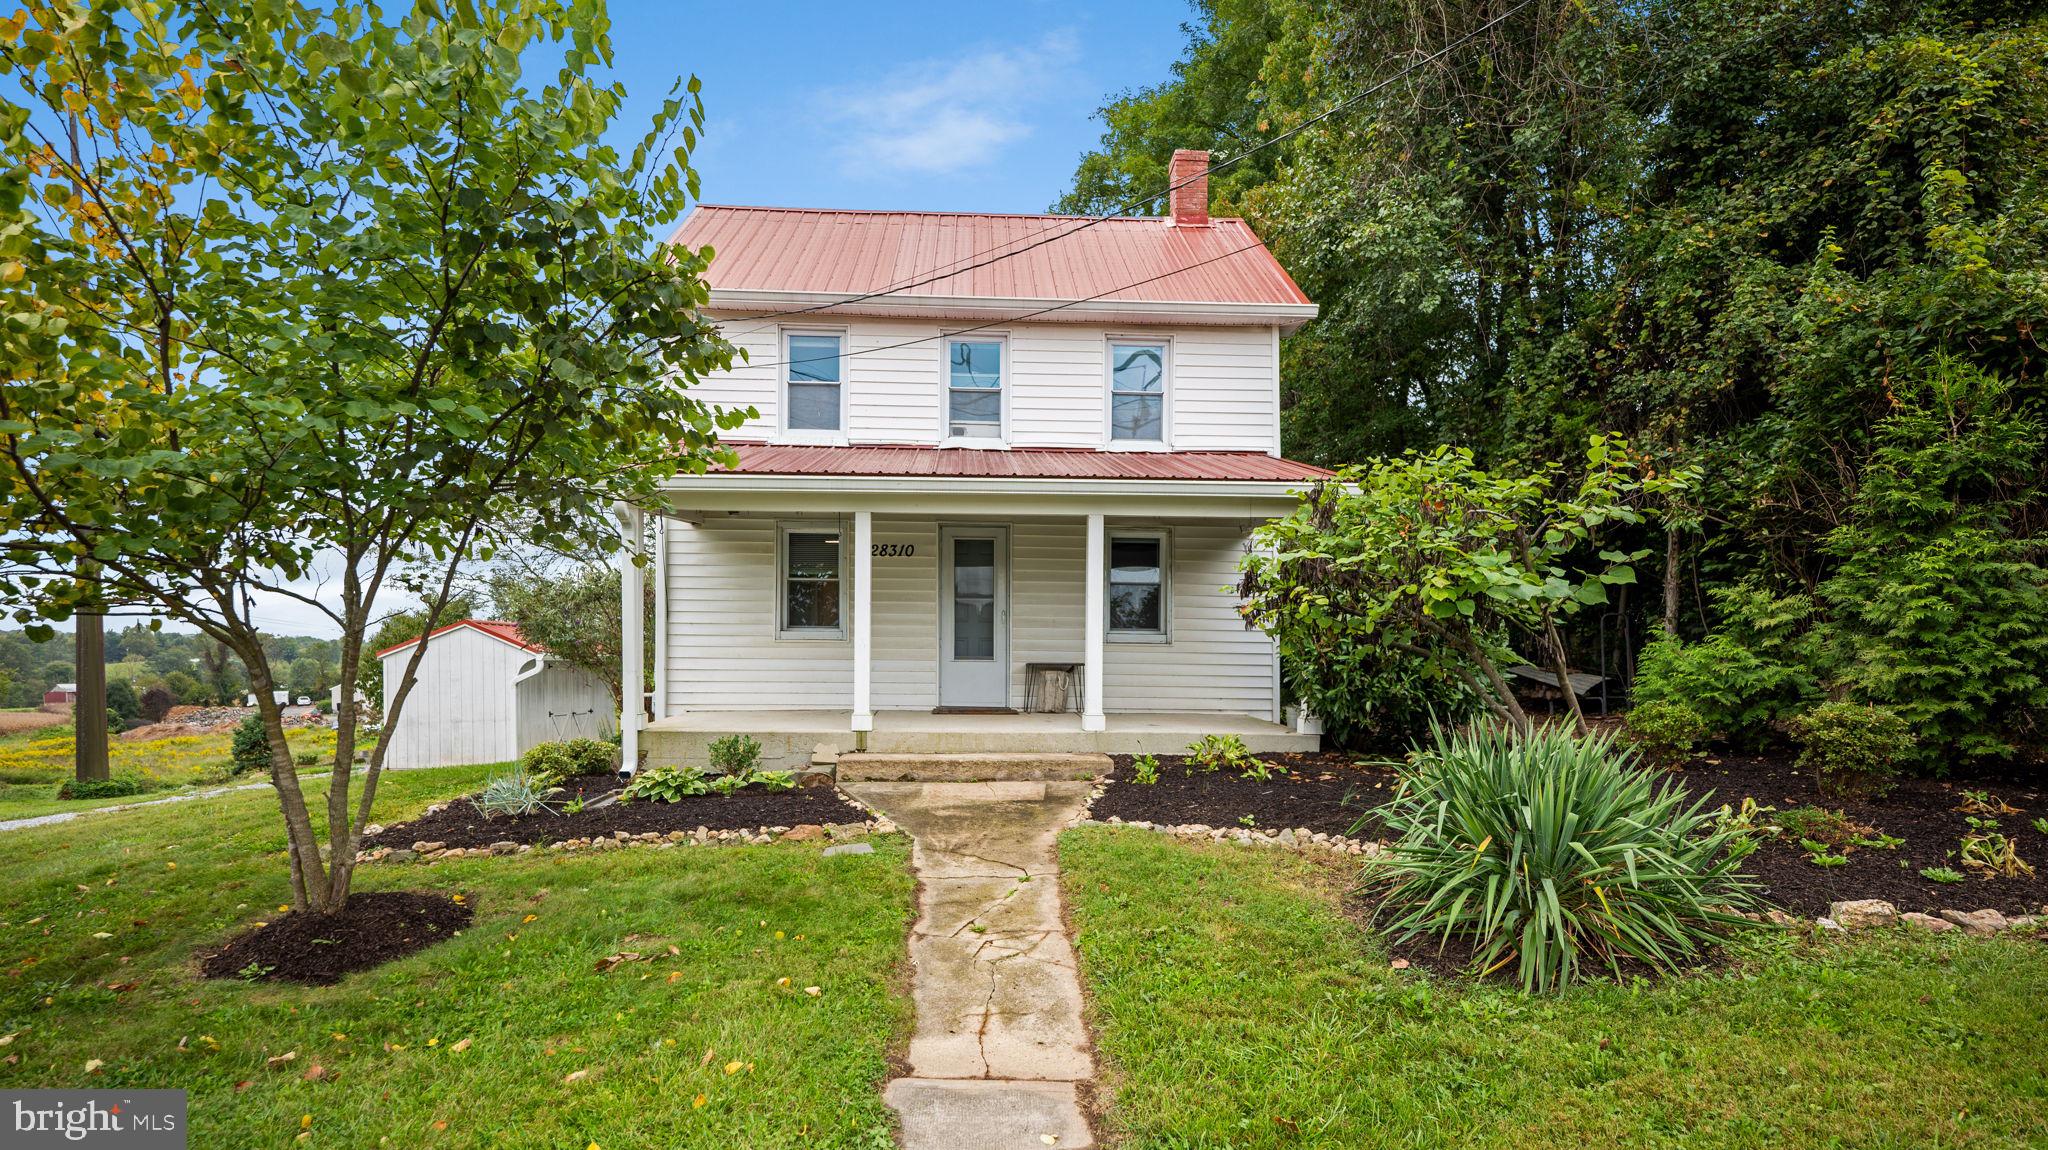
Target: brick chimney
(1190, 198)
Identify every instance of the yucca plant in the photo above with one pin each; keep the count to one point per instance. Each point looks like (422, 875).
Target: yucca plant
(515, 794)
(1557, 851)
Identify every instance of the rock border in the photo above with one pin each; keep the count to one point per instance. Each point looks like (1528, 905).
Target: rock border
(1843, 916)
(426, 852)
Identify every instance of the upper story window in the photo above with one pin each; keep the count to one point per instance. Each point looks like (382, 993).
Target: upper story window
(813, 386)
(1137, 392)
(974, 388)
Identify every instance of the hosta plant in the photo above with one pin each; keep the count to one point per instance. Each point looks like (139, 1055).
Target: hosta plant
(666, 784)
(1555, 853)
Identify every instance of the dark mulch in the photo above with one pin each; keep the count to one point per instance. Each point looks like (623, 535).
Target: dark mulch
(1323, 792)
(372, 929)
(1920, 811)
(459, 825)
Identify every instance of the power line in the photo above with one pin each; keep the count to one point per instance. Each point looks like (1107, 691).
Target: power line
(950, 270)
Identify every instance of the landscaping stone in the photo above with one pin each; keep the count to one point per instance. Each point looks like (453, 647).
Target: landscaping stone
(1859, 914)
(849, 849)
(804, 833)
(1977, 922)
(1927, 922)
(843, 831)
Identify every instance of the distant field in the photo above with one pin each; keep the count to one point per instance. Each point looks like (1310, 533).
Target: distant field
(33, 764)
(15, 721)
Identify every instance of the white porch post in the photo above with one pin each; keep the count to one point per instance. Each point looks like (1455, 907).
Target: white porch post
(1093, 619)
(632, 674)
(661, 616)
(863, 619)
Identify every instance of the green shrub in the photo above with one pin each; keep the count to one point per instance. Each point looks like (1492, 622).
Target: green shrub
(1213, 752)
(306, 758)
(1555, 851)
(735, 754)
(113, 788)
(512, 795)
(776, 780)
(1145, 770)
(1666, 732)
(250, 747)
(553, 762)
(666, 784)
(1754, 670)
(1851, 748)
(731, 783)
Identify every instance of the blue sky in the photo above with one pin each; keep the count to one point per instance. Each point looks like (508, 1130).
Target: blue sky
(963, 106)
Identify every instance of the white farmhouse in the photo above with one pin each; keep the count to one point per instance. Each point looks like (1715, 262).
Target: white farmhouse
(1003, 472)
(485, 695)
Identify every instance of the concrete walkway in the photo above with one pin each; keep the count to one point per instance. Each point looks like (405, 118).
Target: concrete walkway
(1000, 1052)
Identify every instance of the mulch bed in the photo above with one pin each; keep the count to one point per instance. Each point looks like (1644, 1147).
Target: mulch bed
(1323, 792)
(459, 824)
(372, 929)
(1920, 811)
(1331, 792)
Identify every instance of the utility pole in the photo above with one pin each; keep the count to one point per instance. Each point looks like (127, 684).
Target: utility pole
(89, 714)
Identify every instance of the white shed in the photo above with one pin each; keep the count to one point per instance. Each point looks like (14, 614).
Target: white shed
(486, 695)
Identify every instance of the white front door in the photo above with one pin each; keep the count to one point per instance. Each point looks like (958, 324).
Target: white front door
(974, 617)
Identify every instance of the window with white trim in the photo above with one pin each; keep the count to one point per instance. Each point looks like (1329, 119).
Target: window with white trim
(1138, 585)
(810, 561)
(812, 398)
(974, 389)
(1137, 392)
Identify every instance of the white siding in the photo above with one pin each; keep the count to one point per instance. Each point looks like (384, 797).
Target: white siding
(461, 710)
(722, 649)
(1222, 390)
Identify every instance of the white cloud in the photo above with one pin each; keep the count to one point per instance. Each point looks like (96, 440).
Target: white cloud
(948, 114)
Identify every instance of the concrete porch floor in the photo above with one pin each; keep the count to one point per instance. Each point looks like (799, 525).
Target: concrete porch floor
(789, 736)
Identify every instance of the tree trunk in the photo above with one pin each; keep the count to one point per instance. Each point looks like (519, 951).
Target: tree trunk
(310, 890)
(1561, 668)
(1671, 580)
(89, 712)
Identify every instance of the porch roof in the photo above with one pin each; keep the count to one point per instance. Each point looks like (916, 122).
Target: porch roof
(911, 460)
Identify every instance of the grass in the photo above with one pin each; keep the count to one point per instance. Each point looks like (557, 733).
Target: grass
(33, 764)
(521, 985)
(1235, 1004)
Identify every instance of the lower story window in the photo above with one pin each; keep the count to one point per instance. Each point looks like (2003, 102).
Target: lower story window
(1137, 586)
(811, 599)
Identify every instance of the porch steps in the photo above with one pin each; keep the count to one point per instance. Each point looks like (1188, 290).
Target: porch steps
(971, 767)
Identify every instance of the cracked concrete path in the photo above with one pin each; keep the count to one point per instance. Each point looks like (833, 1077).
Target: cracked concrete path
(1000, 1051)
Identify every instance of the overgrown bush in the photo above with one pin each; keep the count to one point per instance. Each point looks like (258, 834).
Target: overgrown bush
(667, 783)
(113, 788)
(1853, 748)
(735, 754)
(1665, 732)
(250, 747)
(156, 703)
(1753, 671)
(514, 794)
(553, 762)
(1555, 852)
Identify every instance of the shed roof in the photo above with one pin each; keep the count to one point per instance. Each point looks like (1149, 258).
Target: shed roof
(501, 631)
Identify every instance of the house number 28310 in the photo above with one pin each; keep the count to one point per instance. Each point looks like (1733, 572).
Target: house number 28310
(893, 550)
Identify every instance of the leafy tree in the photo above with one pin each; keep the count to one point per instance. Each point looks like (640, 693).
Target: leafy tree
(156, 703)
(307, 677)
(123, 707)
(183, 688)
(574, 616)
(1421, 559)
(320, 283)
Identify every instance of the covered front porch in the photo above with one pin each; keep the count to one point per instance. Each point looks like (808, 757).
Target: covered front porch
(790, 737)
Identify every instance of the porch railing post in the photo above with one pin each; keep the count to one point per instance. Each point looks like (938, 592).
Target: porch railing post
(632, 634)
(1093, 617)
(863, 620)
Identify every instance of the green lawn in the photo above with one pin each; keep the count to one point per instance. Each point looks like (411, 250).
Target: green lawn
(521, 986)
(1236, 1005)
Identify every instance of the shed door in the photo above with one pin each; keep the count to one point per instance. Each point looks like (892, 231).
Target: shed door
(974, 617)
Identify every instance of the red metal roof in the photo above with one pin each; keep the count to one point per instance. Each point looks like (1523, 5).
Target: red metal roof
(1020, 463)
(503, 632)
(854, 252)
